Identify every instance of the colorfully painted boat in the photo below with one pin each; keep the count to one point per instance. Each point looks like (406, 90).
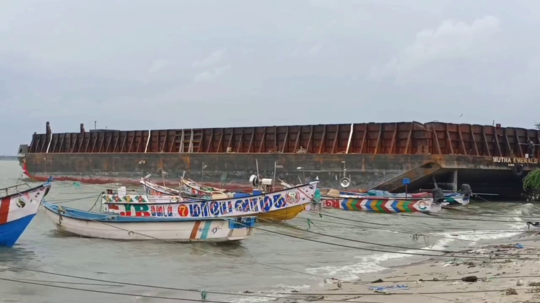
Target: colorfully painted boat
(449, 198)
(18, 209)
(383, 205)
(176, 229)
(271, 206)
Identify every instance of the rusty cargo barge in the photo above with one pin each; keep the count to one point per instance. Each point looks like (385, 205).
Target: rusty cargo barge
(376, 155)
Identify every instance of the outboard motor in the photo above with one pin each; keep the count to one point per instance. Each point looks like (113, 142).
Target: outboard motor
(438, 195)
(466, 190)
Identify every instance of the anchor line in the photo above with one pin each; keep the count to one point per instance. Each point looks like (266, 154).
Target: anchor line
(466, 219)
(458, 229)
(385, 251)
(110, 292)
(264, 264)
(116, 283)
(388, 245)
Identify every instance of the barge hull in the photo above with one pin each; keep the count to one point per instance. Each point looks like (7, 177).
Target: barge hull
(233, 170)
(375, 155)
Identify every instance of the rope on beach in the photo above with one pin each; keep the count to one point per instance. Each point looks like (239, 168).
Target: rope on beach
(412, 232)
(467, 219)
(449, 280)
(400, 293)
(204, 293)
(447, 228)
(219, 253)
(110, 292)
(393, 246)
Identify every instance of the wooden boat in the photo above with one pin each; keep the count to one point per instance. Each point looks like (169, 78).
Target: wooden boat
(382, 205)
(154, 189)
(271, 206)
(195, 188)
(18, 209)
(177, 229)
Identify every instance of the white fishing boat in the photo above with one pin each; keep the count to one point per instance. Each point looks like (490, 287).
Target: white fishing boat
(18, 206)
(116, 227)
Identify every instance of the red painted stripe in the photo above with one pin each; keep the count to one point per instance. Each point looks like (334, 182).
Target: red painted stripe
(4, 209)
(386, 209)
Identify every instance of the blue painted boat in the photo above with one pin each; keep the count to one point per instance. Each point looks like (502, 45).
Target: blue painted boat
(18, 209)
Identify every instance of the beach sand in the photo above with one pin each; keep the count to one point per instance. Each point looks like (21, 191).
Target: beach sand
(440, 279)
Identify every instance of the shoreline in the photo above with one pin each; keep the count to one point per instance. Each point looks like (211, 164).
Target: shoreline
(439, 279)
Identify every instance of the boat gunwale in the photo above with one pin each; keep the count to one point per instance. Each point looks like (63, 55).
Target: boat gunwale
(46, 185)
(113, 218)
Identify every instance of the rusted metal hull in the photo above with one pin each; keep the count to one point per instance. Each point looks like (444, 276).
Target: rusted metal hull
(233, 170)
(377, 155)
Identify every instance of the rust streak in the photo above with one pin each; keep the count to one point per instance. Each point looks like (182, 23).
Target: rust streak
(394, 139)
(285, 140)
(486, 144)
(336, 136)
(508, 147)
(310, 140)
(231, 137)
(449, 141)
(240, 142)
(276, 145)
(473, 139)
(210, 141)
(518, 143)
(409, 139)
(323, 138)
(298, 137)
(220, 143)
(463, 148)
(251, 141)
(378, 139)
(262, 141)
(437, 144)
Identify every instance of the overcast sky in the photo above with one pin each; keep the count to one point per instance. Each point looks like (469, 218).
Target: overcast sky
(163, 64)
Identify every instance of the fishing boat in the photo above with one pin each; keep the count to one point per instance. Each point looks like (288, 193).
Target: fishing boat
(450, 198)
(18, 207)
(195, 188)
(382, 205)
(168, 228)
(154, 189)
(267, 206)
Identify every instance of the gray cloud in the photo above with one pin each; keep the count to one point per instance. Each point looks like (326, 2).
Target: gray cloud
(144, 65)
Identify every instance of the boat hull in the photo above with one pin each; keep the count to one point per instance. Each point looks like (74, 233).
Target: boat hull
(383, 205)
(457, 200)
(282, 214)
(12, 231)
(17, 212)
(214, 230)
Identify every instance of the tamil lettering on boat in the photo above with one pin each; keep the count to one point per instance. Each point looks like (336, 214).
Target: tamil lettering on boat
(215, 208)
